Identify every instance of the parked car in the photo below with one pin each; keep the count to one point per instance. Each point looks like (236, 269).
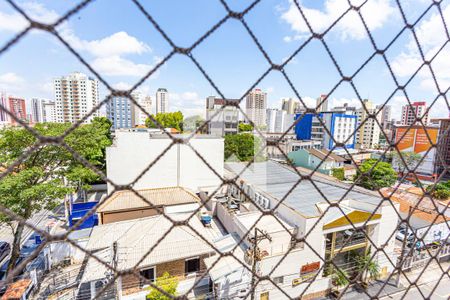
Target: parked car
(401, 235)
(5, 249)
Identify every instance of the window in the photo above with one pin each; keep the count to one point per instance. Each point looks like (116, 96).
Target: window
(192, 265)
(278, 280)
(147, 274)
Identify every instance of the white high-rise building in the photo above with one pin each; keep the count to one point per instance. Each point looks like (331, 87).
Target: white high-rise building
(322, 104)
(146, 104)
(271, 119)
(49, 109)
(291, 106)
(222, 119)
(256, 104)
(75, 96)
(162, 101)
(37, 110)
(43, 110)
(368, 135)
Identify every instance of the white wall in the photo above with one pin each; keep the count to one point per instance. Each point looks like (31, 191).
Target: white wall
(132, 152)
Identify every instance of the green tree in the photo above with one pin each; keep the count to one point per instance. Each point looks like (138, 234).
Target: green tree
(367, 267)
(339, 277)
(245, 127)
(167, 120)
(338, 173)
(243, 146)
(38, 181)
(441, 190)
(382, 175)
(192, 123)
(166, 283)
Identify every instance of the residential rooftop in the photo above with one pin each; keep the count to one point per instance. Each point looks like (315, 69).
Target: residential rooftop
(322, 153)
(157, 197)
(276, 181)
(135, 237)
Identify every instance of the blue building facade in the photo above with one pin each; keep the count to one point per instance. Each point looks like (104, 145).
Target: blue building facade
(341, 127)
(120, 111)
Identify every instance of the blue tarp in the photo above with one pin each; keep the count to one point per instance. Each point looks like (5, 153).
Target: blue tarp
(78, 211)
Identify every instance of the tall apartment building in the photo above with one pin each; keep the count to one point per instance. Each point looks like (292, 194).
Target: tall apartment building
(4, 117)
(275, 120)
(146, 104)
(410, 113)
(17, 107)
(121, 112)
(43, 110)
(443, 150)
(279, 121)
(340, 128)
(291, 106)
(256, 104)
(345, 109)
(75, 96)
(322, 103)
(162, 101)
(368, 135)
(385, 116)
(221, 121)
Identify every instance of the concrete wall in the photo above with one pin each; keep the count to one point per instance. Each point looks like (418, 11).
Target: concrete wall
(289, 267)
(132, 152)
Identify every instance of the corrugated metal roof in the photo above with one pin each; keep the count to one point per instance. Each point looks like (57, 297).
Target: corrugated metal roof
(321, 153)
(277, 180)
(124, 200)
(136, 237)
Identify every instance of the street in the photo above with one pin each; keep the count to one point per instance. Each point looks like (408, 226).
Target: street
(39, 220)
(441, 292)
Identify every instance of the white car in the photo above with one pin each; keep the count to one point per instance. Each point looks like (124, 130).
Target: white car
(401, 235)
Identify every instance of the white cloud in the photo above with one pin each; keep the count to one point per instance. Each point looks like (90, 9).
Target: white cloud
(122, 85)
(14, 22)
(376, 13)
(438, 110)
(108, 52)
(118, 66)
(431, 36)
(189, 103)
(11, 82)
(11, 78)
(119, 43)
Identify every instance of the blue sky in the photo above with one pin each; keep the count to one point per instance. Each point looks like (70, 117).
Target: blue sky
(122, 45)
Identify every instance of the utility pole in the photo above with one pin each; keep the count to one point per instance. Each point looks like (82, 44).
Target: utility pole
(400, 260)
(256, 254)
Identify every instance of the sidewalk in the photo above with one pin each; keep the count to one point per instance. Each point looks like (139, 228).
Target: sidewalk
(373, 291)
(430, 277)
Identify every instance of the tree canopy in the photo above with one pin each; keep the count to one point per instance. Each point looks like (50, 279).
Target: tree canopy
(382, 175)
(166, 120)
(411, 160)
(38, 181)
(245, 127)
(243, 146)
(441, 190)
(338, 173)
(166, 283)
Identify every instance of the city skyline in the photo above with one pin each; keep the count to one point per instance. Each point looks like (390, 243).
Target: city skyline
(240, 64)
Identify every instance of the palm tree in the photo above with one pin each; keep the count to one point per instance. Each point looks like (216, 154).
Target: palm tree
(339, 278)
(367, 267)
